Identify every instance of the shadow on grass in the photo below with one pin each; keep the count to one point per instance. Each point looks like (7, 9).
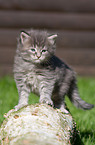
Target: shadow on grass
(76, 140)
(88, 134)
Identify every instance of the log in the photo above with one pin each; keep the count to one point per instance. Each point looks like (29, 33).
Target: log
(54, 5)
(37, 124)
(19, 19)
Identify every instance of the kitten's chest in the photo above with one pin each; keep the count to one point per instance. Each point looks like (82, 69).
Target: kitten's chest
(33, 80)
(36, 78)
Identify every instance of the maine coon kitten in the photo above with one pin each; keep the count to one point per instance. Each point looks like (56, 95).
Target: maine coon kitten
(38, 70)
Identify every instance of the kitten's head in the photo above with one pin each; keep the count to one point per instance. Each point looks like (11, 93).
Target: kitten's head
(37, 46)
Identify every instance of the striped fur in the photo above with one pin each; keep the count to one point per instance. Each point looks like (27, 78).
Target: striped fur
(38, 70)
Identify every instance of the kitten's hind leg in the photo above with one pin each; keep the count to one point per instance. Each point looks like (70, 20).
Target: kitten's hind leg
(63, 109)
(59, 103)
(59, 98)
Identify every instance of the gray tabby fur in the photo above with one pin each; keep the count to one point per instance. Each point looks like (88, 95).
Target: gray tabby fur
(38, 70)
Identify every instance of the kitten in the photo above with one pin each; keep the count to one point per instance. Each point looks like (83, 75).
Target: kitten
(38, 70)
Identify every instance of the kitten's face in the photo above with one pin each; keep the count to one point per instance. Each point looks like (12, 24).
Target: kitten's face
(38, 47)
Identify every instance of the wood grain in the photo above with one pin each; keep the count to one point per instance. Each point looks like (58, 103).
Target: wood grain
(20, 19)
(54, 5)
(78, 57)
(66, 39)
(85, 70)
(7, 55)
(73, 21)
(6, 70)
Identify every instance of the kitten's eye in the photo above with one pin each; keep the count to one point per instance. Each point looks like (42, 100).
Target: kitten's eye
(33, 50)
(44, 50)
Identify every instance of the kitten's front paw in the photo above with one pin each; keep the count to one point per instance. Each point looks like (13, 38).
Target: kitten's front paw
(17, 107)
(47, 101)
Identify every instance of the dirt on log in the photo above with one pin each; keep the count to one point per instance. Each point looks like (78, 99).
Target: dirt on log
(37, 124)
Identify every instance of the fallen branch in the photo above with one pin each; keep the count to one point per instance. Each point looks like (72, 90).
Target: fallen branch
(37, 124)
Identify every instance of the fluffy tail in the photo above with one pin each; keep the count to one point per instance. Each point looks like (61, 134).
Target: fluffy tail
(76, 100)
(79, 103)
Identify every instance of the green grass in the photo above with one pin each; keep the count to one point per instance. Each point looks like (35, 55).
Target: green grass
(85, 120)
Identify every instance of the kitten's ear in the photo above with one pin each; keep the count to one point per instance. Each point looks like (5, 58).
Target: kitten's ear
(52, 38)
(24, 36)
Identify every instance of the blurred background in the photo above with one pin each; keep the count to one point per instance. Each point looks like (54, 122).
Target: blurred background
(72, 20)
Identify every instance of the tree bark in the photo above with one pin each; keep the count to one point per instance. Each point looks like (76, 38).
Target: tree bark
(37, 124)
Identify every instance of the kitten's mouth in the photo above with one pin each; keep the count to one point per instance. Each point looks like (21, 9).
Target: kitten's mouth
(37, 60)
